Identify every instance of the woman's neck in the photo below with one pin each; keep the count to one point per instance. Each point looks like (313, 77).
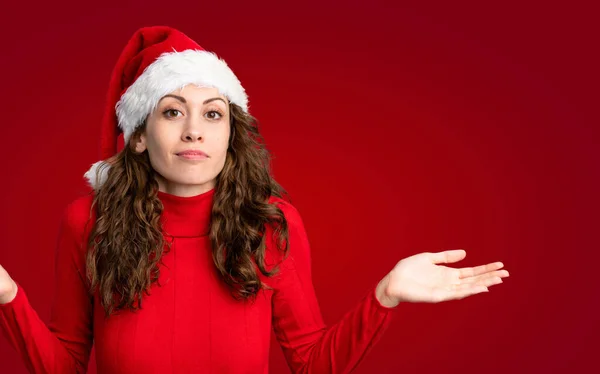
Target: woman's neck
(186, 216)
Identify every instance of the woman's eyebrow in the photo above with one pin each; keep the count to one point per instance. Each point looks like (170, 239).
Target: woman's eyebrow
(184, 101)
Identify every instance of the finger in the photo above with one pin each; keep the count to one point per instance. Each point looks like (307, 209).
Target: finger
(484, 282)
(477, 270)
(447, 257)
(477, 278)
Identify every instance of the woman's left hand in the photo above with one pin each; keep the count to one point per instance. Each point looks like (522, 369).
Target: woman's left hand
(419, 278)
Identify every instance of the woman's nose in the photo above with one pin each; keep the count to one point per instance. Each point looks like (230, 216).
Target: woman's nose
(193, 131)
(192, 135)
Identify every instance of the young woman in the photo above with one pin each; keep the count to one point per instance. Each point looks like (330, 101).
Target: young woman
(187, 252)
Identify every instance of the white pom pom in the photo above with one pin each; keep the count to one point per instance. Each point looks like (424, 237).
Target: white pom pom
(97, 174)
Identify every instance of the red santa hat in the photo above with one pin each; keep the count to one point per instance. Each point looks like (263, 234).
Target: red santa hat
(156, 60)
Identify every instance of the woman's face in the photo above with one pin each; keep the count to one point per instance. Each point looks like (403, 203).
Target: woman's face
(191, 119)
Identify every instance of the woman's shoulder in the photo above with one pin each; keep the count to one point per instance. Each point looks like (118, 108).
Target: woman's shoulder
(78, 213)
(291, 213)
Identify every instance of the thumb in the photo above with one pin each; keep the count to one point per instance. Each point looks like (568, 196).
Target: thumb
(446, 257)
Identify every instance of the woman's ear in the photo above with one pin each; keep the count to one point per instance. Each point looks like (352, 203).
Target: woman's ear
(138, 142)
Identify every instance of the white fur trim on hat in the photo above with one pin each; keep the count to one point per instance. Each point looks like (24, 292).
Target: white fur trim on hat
(97, 174)
(172, 71)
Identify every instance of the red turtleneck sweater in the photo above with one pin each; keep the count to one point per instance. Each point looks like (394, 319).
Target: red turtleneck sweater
(190, 324)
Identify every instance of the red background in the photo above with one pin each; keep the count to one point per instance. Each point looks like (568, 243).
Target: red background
(397, 129)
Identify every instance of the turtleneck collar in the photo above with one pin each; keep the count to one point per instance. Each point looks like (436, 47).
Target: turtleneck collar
(186, 216)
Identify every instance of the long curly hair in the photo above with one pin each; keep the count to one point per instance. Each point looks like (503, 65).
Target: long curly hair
(126, 243)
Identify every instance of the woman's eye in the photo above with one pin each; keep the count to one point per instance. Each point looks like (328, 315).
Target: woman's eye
(170, 111)
(214, 114)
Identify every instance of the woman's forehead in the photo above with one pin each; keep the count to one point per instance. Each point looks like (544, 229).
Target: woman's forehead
(193, 91)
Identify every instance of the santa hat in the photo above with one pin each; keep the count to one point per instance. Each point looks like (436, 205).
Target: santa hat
(156, 60)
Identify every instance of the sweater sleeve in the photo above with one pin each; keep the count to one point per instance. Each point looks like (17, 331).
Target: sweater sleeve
(64, 344)
(309, 346)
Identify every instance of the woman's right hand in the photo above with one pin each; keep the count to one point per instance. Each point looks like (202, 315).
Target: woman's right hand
(8, 287)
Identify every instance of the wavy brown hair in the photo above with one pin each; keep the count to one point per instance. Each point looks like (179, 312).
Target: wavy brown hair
(126, 243)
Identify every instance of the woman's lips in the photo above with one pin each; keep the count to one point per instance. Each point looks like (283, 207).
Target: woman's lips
(193, 155)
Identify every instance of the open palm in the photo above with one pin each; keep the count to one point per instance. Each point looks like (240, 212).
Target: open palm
(8, 287)
(420, 278)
